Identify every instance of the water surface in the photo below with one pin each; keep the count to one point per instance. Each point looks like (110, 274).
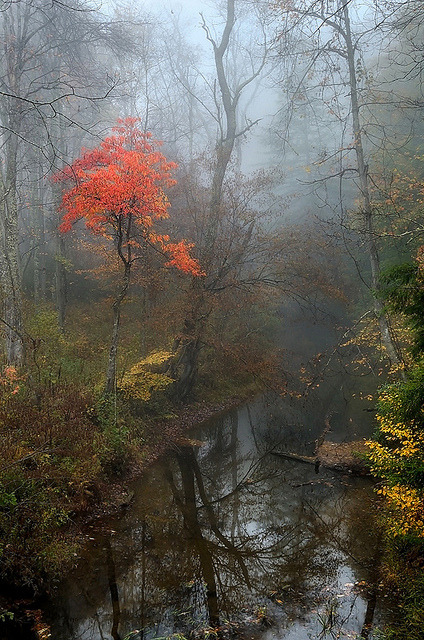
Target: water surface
(224, 534)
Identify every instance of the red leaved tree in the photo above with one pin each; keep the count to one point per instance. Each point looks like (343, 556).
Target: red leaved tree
(119, 192)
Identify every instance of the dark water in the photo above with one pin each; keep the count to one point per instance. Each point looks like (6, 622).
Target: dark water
(223, 533)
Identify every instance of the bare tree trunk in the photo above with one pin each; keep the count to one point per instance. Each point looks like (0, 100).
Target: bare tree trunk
(40, 237)
(367, 210)
(14, 30)
(61, 281)
(60, 275)
(190, 343)
(113, 350)
(184, 365)
(11, 276)
(11, 280)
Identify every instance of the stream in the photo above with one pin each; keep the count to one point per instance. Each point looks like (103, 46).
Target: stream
(224, 533)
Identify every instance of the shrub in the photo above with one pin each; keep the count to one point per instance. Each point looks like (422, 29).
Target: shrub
(397, 455)
(147, 379)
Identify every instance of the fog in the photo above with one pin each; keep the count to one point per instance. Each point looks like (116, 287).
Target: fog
(286, 121)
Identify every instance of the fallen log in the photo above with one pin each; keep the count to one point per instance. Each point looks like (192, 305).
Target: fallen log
(344, 457)
(295, 456)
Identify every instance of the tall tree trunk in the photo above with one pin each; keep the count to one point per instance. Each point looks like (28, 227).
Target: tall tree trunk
(11, 282)
(14, 30)
(61, 278)
(203, 290)
(10, 263)
(60, 275)
(40, 239)
(113, 350)
(225, 144)
(190, 342)
(367, 209)
(61, 281)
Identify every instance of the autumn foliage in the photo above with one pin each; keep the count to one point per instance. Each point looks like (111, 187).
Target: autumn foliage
(119, 192)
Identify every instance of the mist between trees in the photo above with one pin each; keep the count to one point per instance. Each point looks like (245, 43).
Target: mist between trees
(288, 176)
(286, 115)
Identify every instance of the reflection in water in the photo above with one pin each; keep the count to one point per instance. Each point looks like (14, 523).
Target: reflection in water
(186, 502)
(228, 532)
(111, 576)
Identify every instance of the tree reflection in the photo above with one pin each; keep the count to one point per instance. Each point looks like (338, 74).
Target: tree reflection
(218, 531)
(113, 587)
(244, 541)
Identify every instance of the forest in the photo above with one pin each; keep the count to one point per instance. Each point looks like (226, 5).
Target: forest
(202, 204)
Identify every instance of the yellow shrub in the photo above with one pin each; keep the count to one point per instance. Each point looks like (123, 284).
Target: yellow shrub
(397, 458)
(405, 510)
(145, 377)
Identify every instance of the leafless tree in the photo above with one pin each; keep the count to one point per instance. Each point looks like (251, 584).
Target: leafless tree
(335, 50)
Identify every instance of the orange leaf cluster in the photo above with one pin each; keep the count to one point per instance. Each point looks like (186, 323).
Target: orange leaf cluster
(119, 186)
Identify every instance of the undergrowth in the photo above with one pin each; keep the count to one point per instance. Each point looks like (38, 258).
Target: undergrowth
(63, 442)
